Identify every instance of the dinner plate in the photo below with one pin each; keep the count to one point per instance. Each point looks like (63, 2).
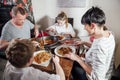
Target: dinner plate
(61, 37)
(43, 59)
(63, 50)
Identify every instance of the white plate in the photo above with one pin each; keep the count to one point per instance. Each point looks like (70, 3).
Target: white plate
(64, 46)
(63, 37)
(46, 63)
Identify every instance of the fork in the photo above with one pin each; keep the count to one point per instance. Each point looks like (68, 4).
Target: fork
(53, 65)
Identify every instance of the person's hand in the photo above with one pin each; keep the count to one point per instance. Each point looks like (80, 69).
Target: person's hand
(78, 42)
(52, 31)
(36, 33)
(56, 59)
(66, 34)
(71, 56)
(35, 43)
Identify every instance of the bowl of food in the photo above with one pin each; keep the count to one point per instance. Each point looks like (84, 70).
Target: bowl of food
(42, 58)
(48, 40)
(61, 37)
(64, 49)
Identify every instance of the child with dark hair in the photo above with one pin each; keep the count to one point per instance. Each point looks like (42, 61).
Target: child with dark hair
(20, 56)
(98, 64)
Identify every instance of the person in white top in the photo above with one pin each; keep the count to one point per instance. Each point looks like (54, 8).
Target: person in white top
(98, 63)
(62, 26)
(20, 56)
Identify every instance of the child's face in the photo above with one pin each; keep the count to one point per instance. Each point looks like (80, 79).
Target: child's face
(61, 22)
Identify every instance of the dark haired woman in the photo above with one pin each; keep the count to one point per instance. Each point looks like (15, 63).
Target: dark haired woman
(98, 62)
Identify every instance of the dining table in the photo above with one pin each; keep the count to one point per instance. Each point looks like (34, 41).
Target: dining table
(65, 63)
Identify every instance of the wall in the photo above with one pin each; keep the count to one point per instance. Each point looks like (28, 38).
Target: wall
(45, 11)
(112, 11)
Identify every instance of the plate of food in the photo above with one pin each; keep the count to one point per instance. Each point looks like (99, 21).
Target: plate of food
(61, 37)
(42, 58)
(48, 40)
(74, 42)
(64, 49)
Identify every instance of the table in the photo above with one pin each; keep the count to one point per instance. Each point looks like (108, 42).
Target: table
(66, 64)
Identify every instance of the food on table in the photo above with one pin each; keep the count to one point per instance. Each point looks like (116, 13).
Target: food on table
(42, 57)
(69, 41)
(60, 37)
(49, 41)
(64, 50)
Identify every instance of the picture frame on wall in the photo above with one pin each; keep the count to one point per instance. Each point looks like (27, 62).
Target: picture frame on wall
(71, 3)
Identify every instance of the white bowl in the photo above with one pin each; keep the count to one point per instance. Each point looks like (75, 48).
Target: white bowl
(46, 63)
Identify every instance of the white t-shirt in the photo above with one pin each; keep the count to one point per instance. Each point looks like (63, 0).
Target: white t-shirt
(27, 73)
(63, 29)
(100, 57)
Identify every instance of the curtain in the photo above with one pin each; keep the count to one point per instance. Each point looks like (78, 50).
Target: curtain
(21, 3)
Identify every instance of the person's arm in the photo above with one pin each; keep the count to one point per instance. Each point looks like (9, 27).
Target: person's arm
(85, 66)
(52, 30)
(36, 31)
(33, 27)
(59, 69)
(3, 44)
(88, 44)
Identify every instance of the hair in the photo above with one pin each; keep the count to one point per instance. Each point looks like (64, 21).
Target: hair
(94, 15)
(17, 9)
(62, 16)
(19, 52)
